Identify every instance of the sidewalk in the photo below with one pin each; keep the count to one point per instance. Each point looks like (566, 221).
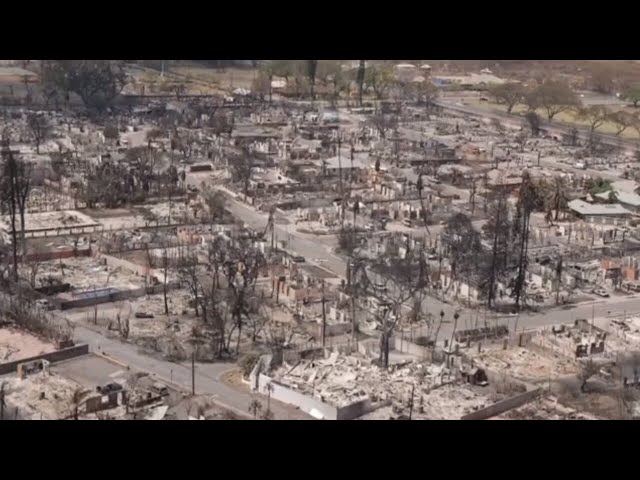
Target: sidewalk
(207, 376)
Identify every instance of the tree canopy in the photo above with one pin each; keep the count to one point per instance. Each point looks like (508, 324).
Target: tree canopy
(96, 82)
(632, 94)
(509, 94)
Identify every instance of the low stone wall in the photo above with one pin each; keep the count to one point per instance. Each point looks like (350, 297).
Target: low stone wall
(69, 303)
(306, 403)
(293, 356)
(57, 254)
(311, 405)
(358, 409)
(503, 405)
(126, 264)
(403, 345)
(331, 330)
(53, 357)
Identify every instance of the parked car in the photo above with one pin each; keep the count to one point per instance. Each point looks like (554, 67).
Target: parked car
(601, 292)
(160, 389)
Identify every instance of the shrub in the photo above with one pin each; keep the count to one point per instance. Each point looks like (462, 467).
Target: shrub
(247, 362)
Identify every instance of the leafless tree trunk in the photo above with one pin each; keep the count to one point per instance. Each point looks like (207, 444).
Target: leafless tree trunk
(165, 271)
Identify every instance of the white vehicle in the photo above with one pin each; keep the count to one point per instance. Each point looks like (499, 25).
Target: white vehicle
(580, 165)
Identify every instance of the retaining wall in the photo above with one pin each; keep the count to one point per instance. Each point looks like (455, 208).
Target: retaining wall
(53, 357)
(313, 406)
(57, 254)
(357, 409)
(403, 345)
(306, 403)
(503, 405)
(331, 330)
(126, 264)
(69, 303)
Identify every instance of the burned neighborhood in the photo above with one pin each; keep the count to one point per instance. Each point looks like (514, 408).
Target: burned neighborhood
(319, 239)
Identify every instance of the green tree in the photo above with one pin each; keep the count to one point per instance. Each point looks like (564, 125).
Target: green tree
(621, 120)
(602, 78)
(554, 97)
(632, 94)
(97, 82)
(331, 74)
(379, 78)
(598, 185)
(509, 94)
(594, 116)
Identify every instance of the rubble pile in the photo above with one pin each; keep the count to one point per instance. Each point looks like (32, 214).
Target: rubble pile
(567, 342)
(527, 364)
(84, 273)
(545, 409)
(41, 396)
(627, 329)
(343, 380)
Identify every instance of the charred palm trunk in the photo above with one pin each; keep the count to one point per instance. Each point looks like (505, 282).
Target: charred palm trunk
(494, 266)
(360, 80)
(522, 267)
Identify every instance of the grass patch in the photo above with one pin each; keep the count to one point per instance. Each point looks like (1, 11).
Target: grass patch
(568, 118)
(222, 78)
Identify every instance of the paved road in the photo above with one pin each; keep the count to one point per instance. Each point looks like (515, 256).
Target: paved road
(468, 318)
(298, 243)
(553, 128)
(207, 377)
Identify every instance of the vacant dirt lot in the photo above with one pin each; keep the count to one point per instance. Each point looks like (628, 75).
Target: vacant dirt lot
(16, 344)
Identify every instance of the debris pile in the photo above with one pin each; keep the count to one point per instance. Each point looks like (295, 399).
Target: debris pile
(343, 380)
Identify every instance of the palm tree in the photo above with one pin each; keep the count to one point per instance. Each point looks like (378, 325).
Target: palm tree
(613, 196)
(557, 197)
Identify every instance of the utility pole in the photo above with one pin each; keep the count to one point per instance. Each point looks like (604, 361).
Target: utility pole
(324, 318)
(193, 372)
(342, 199)
(269, 389)
(413, 387)
(2, 403)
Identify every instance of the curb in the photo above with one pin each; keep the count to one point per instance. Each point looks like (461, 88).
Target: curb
(110, 359)
(175, 386)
